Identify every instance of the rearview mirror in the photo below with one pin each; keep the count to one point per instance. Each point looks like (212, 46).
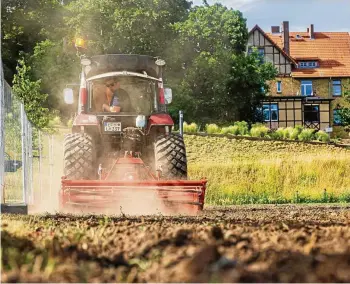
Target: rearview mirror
(68, 96)
(168, 95)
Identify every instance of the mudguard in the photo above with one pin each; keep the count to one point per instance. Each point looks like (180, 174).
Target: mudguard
(160, 119)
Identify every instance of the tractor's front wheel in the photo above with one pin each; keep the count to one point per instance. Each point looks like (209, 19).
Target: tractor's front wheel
(170, 156)
(79, 156)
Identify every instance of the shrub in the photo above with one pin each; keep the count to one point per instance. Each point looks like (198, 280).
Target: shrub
(212, 128)
(322, 136)
(190, 128)
(55, 121)
(230, 130)
(288, 132)
(306, 135)
(295, 132)
(242, 127)
(259, 130)
(279, 133)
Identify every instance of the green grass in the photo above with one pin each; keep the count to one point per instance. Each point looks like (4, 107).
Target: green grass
(238, 171)
(244, 171)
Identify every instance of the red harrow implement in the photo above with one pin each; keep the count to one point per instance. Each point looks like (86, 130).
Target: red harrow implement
(129, 184)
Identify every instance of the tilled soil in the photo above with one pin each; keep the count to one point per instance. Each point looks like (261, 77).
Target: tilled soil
(278, 243)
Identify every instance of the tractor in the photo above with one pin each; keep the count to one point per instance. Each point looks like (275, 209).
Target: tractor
(115, 152)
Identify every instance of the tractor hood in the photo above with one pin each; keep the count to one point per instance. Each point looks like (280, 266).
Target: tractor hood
(101, 64)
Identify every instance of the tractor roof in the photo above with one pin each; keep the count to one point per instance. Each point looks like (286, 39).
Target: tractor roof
(123, 62)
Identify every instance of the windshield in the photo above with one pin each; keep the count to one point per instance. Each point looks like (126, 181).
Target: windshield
(139, 91)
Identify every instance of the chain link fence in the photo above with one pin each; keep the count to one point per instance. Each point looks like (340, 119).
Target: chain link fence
(27, 156)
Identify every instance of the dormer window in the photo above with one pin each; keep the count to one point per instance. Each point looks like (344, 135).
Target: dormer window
(308, 64)
(298, 36)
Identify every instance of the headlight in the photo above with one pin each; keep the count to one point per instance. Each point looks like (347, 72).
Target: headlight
(140, 121)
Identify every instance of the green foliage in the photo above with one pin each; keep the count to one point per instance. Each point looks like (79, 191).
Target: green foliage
(29, 92)
(219, 77)
(344, 111)
(49, 60)
(307, 135)
(190, 128)
(55, 121)
(204, 48)
(242, 127)
(234, 130)
(212, 128)
(24, 23)
(322, 136)
(293, 135)
(287, 133)
(259, 130)
(279, 133)
(247, 86)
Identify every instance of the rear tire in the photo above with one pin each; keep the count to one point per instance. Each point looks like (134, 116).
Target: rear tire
(170, 156)
(79, 157)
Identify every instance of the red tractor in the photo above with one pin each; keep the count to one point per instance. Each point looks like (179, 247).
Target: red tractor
(126, 149)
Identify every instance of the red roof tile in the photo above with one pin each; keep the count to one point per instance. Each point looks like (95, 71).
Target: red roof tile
(332, 50)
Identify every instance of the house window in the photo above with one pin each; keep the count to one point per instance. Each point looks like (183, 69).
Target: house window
(308, 64)
(336, 88)
(306, 88)
(311, 113)
(270, 112)
(261, 52)
(336, 117)
(279, 86)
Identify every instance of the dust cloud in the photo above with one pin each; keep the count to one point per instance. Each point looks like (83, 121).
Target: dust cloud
(127, 201)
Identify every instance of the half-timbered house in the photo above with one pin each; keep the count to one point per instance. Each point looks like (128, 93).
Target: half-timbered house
(313, 68)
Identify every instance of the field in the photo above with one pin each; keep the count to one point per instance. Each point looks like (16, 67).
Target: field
(245, 243)
(277, 243)
(245, 172)
(238, 172)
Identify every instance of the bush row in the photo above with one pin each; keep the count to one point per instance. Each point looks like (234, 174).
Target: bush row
(259, 130)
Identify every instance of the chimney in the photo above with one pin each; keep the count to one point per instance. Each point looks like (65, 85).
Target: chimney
(285, 37)
(275, 29)
(311, 32)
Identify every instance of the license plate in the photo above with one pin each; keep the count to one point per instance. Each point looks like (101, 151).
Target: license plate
(112, 126)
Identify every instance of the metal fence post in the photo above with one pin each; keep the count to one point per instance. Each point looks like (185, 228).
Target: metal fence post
(24, 155)
(40, 166)
(181, 122)
(2, 136)
(30, 163)
(51, 161)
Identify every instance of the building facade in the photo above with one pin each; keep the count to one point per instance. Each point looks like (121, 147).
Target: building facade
(313, 70)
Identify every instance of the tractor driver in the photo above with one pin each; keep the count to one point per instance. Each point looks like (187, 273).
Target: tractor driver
(117, 98)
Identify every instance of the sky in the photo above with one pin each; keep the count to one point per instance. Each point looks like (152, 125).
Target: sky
(326, 15)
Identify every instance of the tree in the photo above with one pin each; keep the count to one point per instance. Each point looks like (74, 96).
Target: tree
(24, 23)
(139, 26)
(247, 86)
(204, 48)
(344, 111)
(220, 83)
(30, 93)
